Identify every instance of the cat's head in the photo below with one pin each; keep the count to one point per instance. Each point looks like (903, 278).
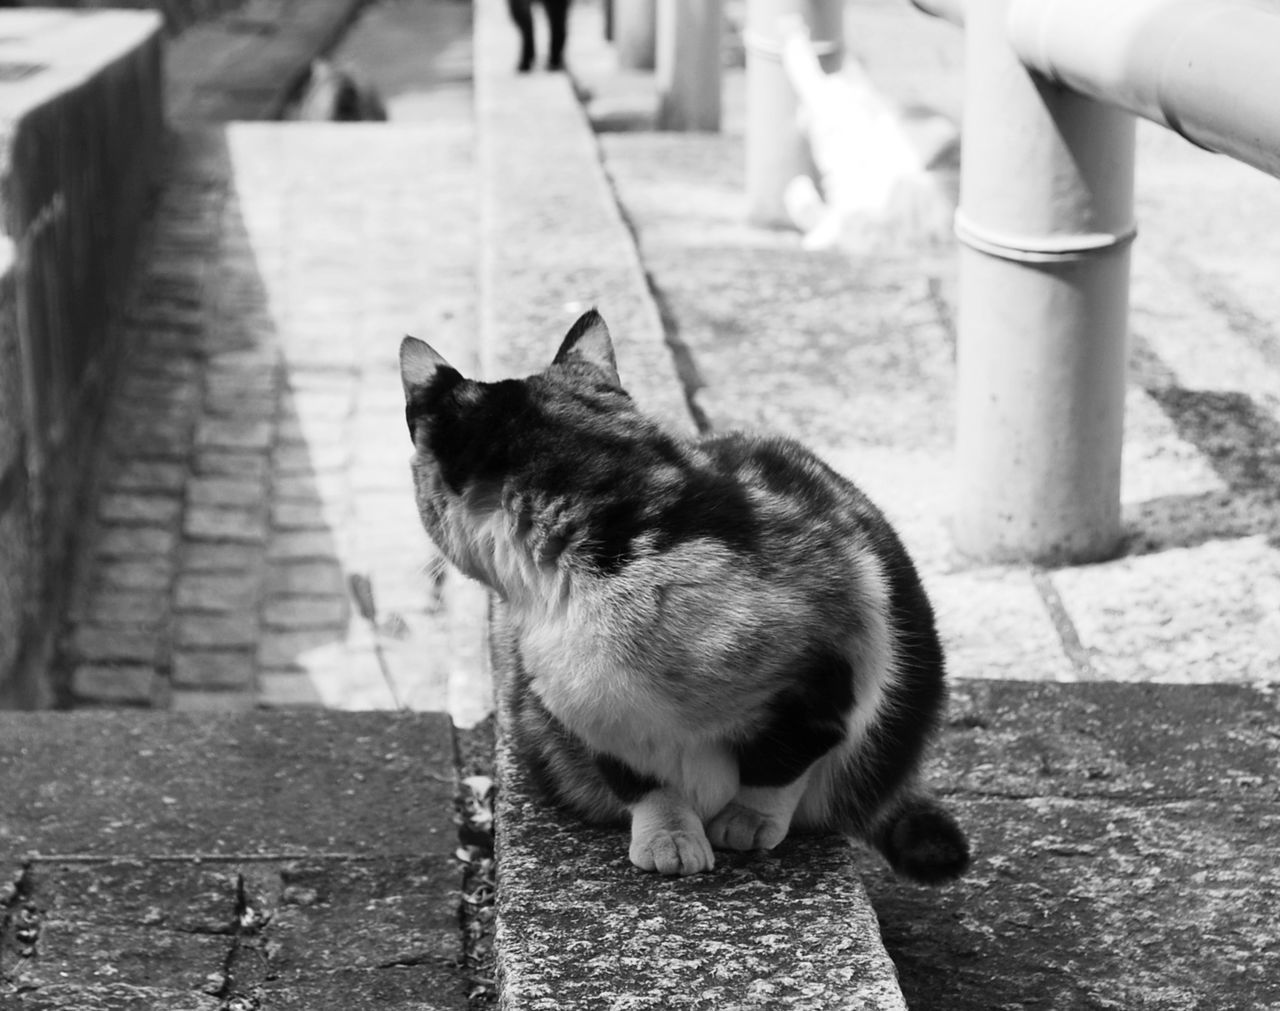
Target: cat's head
(485, 451)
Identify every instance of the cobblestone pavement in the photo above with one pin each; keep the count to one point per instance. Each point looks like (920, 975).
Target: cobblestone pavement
(256, 471)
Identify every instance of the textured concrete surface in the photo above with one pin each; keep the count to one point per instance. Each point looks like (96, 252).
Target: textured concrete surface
(228, 861)
(1125, 852)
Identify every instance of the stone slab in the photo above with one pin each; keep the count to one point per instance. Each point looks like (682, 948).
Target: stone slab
(1124, 840)
(228, 861)
(138, 784)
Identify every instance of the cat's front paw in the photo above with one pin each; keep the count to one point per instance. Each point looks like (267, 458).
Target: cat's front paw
(742, 828)
(672, 851)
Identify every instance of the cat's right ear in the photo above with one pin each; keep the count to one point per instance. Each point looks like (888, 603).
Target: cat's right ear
(419, 365)
(588, 341)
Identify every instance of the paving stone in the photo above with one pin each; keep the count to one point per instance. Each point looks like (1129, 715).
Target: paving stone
(332, 488)
(994, 624)
(213, 669)
(225, 523)
(314, 578)
(253, 405)
(145, 610)
(106, 643)
(363, 915)
(224, 556)
(286, 515)
(134, 542)
(286, 613)
(287, 689)
(243, 464)
(313, 431)
(1140, 623)
(216, 592)
(140, 509)
(300, 649)
(234, 433)
(196, 701)
(77, 953)
(147, 475)
(302, 546)
(153, 573)
(115, 683)
(323, 405)
(217, 631)
(151, 440)
(303, 458)
(225, 491)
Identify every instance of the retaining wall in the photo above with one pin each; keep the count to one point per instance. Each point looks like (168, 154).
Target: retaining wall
(81, 128)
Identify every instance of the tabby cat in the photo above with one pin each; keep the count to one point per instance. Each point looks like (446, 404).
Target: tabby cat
(557, 22)
(717, 639)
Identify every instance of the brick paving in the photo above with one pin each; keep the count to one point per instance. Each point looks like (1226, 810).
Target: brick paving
(255, 459)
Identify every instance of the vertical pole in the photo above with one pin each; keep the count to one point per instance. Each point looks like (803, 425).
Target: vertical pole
(776, 152)
(635, 30)
(688, 71)
(1045, 223)
(609, 20)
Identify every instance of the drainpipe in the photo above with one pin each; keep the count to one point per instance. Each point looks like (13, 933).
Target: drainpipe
(689, 64)
(1045, 223)
(776, 151)
(635, 28)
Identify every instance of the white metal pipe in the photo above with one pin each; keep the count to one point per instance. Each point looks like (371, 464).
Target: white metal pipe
(776, 151)
(1208, 69)
(635, 27)
(1045, 221)
(948, 10)
(689, 64)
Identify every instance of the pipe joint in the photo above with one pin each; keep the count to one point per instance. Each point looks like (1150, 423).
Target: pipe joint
(1040, 248)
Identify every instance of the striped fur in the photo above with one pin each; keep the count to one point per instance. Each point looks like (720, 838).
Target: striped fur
(717, 640)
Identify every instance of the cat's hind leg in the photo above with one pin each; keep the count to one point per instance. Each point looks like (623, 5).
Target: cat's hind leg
(758, 817)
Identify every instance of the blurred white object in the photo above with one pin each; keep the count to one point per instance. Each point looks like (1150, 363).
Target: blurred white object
(884, 189)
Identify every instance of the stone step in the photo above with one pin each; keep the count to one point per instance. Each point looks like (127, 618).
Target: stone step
(578, 926)
(220, 861)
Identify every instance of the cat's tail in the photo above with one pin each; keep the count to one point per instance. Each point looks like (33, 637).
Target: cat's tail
(920, 839)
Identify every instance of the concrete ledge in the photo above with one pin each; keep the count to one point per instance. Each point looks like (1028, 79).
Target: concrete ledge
(578, 926)
(293, 861)
(80, 132)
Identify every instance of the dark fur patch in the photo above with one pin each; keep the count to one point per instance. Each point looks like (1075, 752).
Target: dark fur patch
(624, 781)
(803, 722)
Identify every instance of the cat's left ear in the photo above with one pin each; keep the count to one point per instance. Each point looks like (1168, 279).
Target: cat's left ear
(588, 341)
(419, 364)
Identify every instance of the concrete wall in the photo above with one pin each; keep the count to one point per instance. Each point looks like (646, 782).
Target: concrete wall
(177, 14)
(81, 127)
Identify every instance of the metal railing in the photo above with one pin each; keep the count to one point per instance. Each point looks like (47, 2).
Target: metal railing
(1045, 223)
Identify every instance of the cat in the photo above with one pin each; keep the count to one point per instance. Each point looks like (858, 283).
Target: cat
(890, 175)
(558, 24)
(333, 94)
(716, 639)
